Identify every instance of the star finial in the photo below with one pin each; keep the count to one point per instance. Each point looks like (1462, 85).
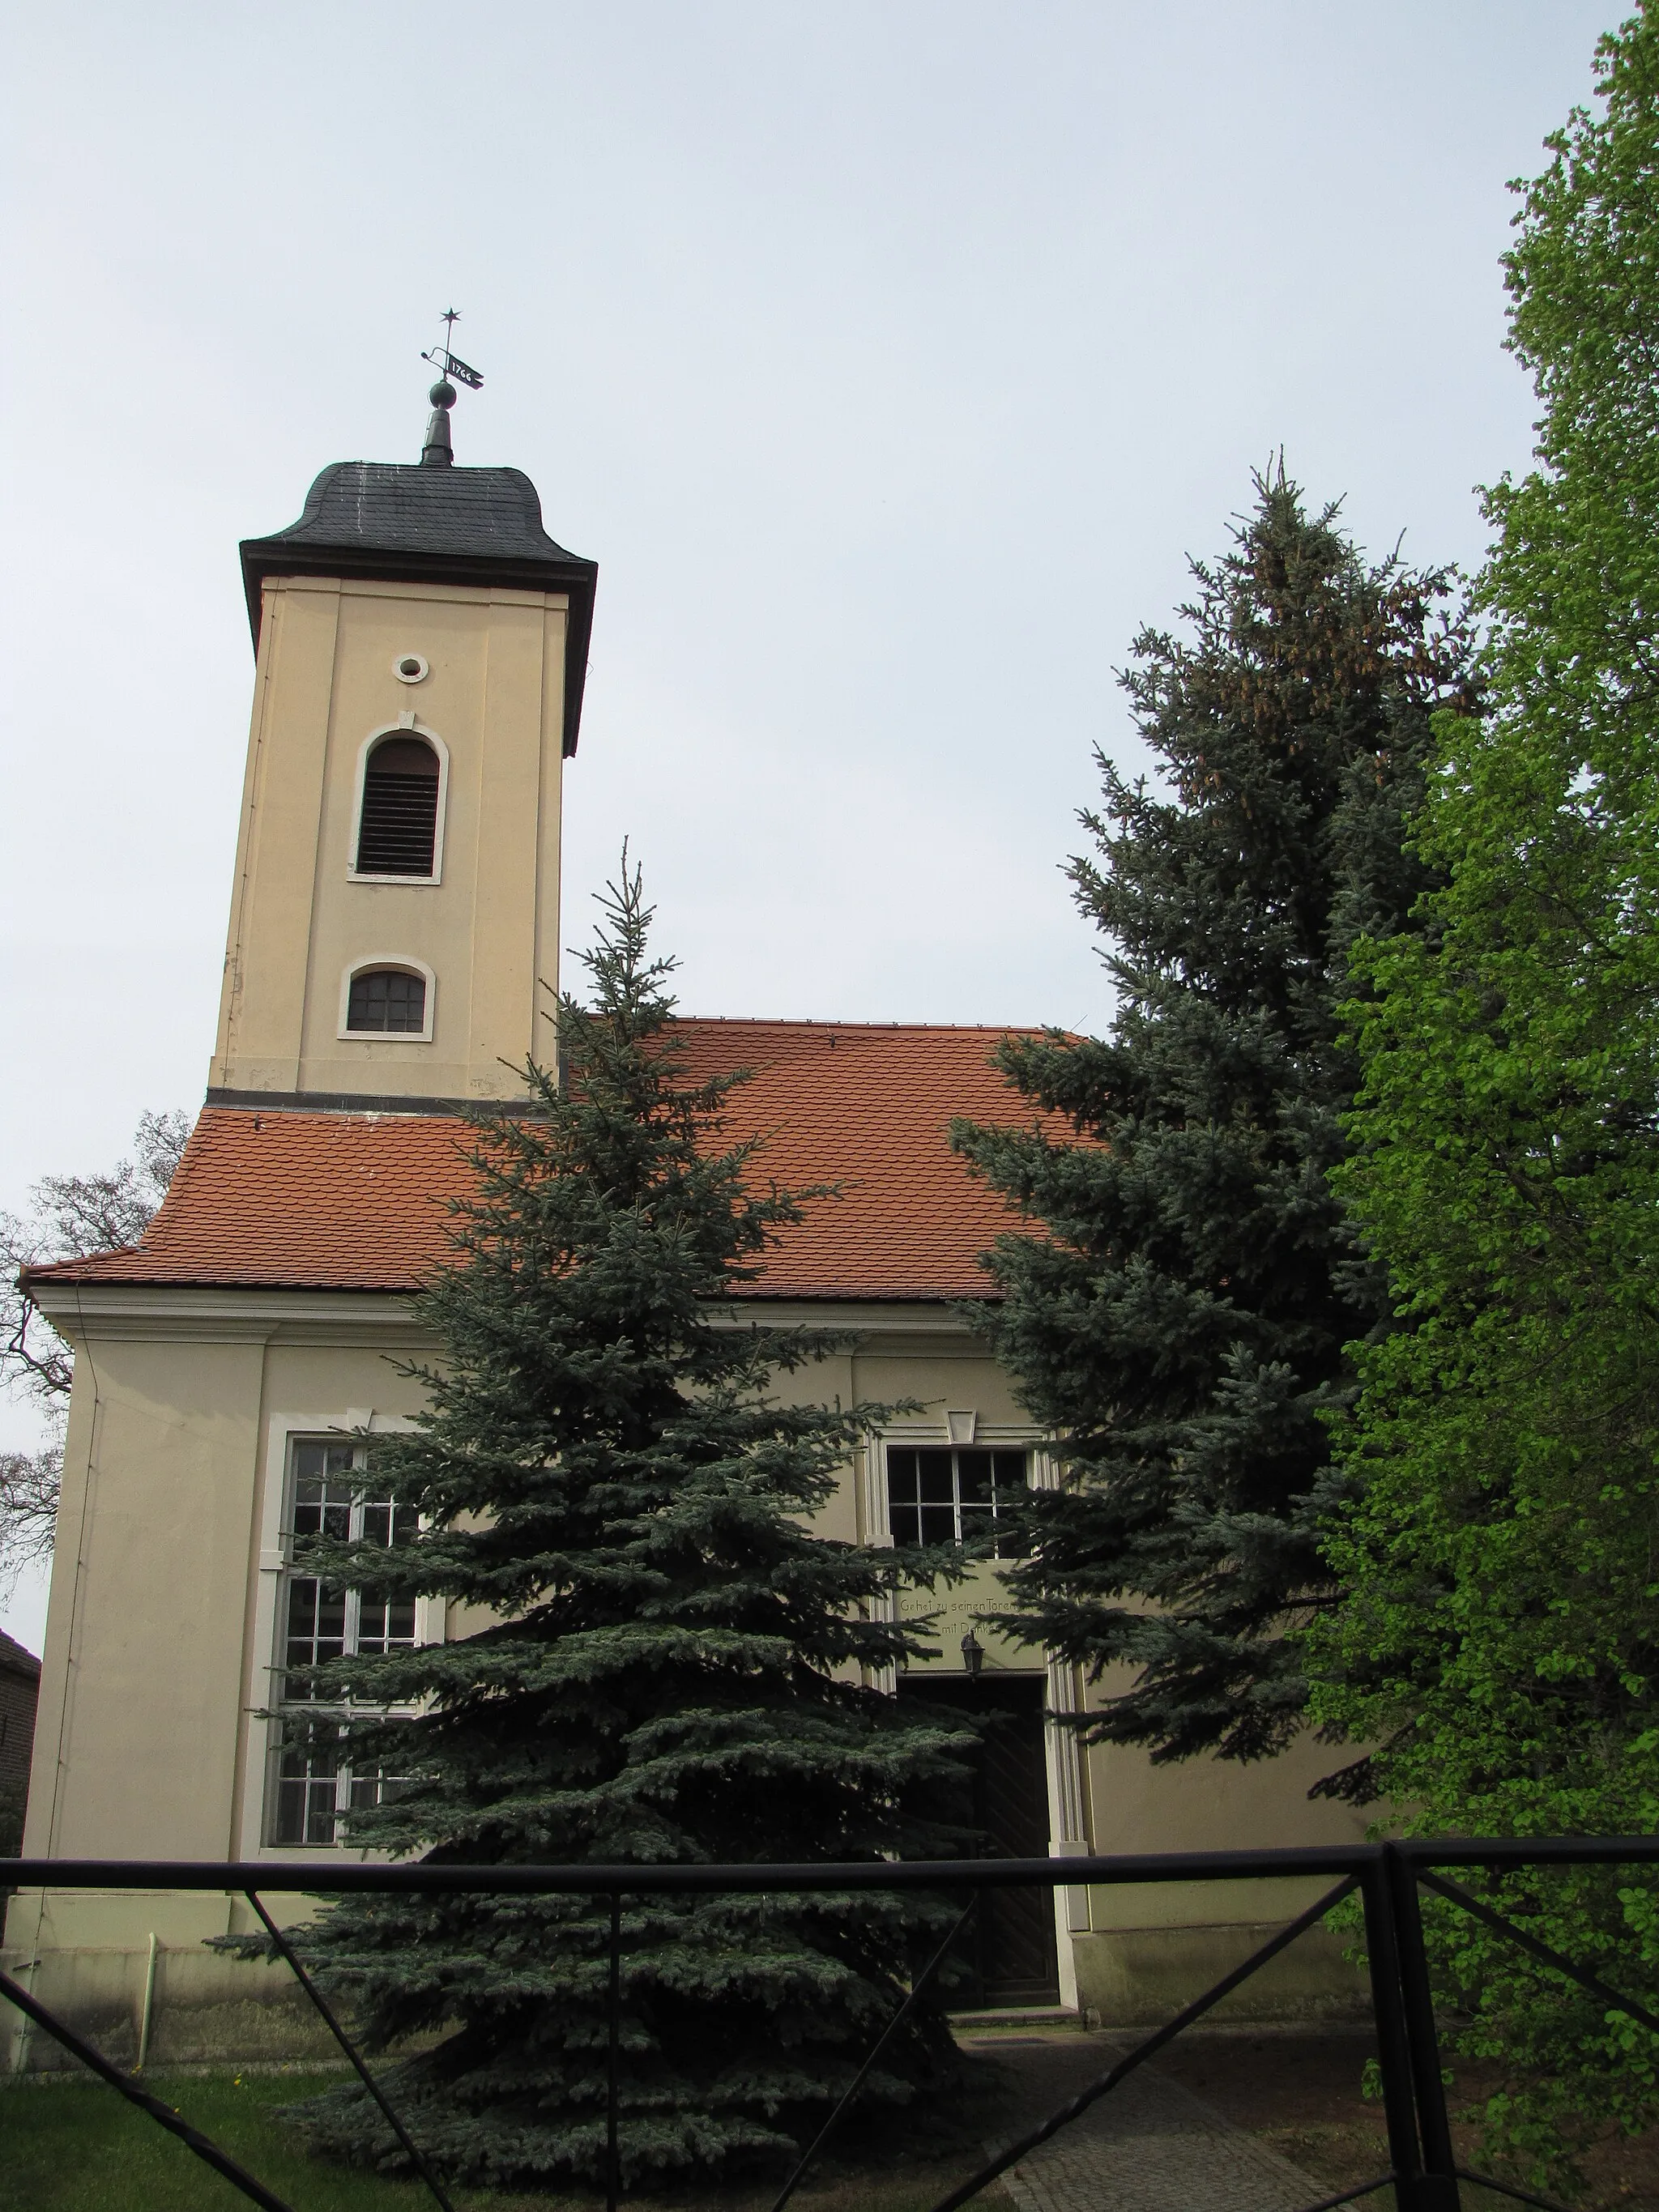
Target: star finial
(444, 362)
(437, 453)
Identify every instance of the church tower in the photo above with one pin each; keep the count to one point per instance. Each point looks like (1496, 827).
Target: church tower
(421, 646)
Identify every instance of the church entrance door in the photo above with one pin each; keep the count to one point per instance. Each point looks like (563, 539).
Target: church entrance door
(1011, 1946)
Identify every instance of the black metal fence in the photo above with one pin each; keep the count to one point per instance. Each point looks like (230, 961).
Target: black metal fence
(1423, 2171)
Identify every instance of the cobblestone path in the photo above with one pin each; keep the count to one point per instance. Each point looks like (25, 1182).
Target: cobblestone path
(1149, 2146)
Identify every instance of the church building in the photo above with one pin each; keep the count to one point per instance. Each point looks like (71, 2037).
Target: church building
(420, 644)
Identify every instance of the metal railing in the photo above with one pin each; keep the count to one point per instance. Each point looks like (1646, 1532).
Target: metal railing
(1423, 2170)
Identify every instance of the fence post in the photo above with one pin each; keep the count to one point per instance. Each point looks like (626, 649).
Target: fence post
(1439, 2185)
(1393, 2038)
(147, 2007)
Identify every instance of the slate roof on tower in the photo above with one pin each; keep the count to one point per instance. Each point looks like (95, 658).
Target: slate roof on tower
(406, 524)
(354, 1201)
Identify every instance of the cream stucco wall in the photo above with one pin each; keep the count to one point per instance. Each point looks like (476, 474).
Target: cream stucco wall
(488, 929)
(162, 1618)
(161, 1632)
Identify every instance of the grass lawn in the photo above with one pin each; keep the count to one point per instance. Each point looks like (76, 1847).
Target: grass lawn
(76, 2147)
(73, 2145)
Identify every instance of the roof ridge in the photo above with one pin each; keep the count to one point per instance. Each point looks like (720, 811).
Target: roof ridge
(827, 1022)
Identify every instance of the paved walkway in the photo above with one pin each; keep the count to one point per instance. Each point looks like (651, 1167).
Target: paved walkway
(1149, 2145)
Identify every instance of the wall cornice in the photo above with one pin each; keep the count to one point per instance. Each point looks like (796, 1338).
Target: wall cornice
(208, 1313)
(231, 1314)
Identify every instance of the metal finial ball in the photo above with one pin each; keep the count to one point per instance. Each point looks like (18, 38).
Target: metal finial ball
(442, 393)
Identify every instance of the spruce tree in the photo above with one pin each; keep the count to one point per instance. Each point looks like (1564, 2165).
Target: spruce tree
(1179, 1325)
(662, 1664)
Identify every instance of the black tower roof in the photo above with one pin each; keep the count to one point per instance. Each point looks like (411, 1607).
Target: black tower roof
(416, 525)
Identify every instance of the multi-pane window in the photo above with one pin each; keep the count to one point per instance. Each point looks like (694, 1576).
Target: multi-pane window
(387, 1001)
(955, 1494)
(316, 1781)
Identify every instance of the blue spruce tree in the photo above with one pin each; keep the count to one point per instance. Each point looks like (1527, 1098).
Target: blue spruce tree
(662, 1665)
(1181, 1327)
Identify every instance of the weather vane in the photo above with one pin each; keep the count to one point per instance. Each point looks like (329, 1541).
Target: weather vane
(448, 364)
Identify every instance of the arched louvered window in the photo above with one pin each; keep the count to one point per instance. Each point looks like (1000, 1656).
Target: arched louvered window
(398, 826)
(386, 1001)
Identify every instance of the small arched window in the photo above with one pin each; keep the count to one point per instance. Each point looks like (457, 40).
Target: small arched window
(398, 825)
(387, 1000)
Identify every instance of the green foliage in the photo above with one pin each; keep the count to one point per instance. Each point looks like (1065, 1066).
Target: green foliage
(72, 2145)
(1501, 1637)
(663, 1664)
(1181, 1326)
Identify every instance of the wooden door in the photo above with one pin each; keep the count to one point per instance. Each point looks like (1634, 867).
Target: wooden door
(1013, 1953)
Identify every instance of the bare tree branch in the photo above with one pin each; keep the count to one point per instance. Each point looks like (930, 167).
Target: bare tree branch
(29, 1484)
(70, 1217)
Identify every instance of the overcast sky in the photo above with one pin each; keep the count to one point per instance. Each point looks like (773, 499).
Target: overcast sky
(891, 358)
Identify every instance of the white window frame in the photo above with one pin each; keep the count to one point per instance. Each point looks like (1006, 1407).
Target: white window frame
(1065, 1773)
(405, 964)
(406, 726)
(871, 1469)
(263, 1710)
(949, 1439)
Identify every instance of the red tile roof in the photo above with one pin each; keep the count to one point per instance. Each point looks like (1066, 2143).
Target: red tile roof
(335, 1200)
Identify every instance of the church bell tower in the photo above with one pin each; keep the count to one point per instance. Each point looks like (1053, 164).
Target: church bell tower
(420, 644)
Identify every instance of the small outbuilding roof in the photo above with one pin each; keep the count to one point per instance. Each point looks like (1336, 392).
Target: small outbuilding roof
(357, 1201)
(14, 1659)
(406, 524)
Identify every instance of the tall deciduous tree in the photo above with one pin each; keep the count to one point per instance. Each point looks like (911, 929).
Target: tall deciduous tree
(1501, 1642)
(662, 1664)
(1181, 1325)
